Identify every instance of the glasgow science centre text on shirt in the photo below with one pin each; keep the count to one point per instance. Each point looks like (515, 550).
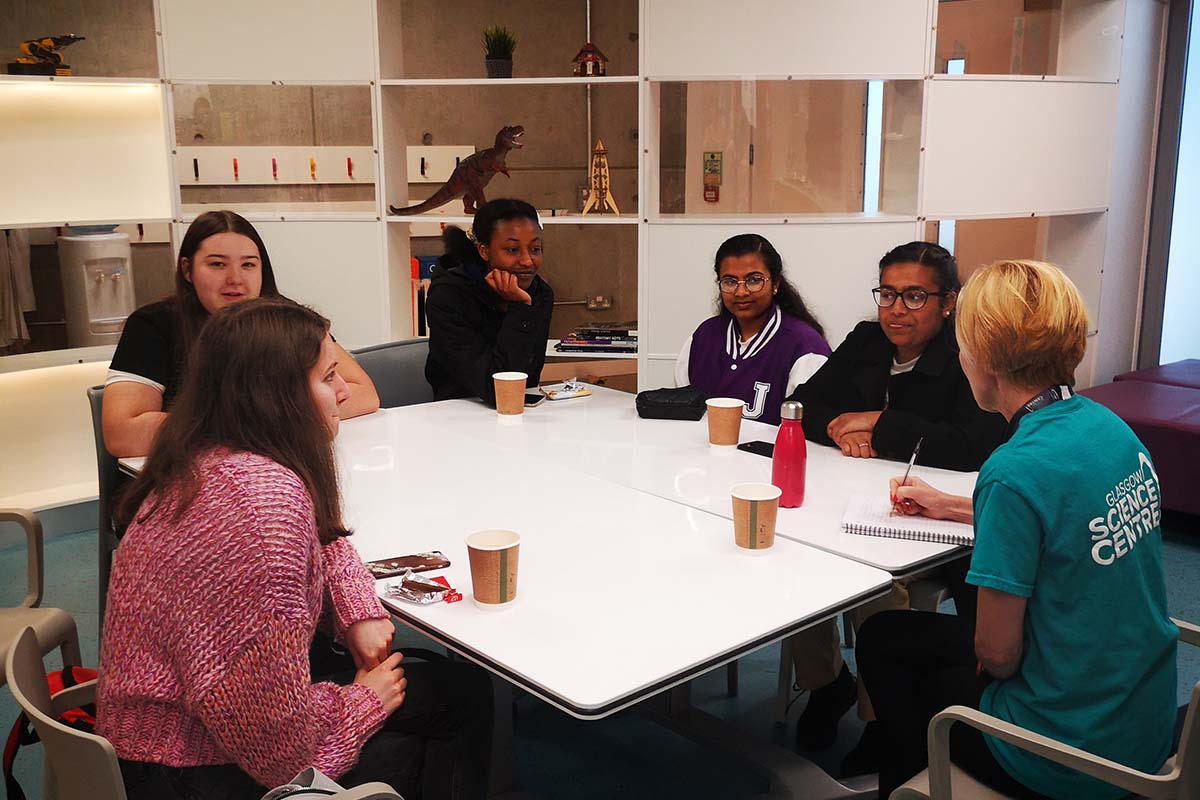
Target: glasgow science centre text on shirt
(1134, 511)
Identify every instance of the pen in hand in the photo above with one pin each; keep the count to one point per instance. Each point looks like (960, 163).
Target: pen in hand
(907, 503)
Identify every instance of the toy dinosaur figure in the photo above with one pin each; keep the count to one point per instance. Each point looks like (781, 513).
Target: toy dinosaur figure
(472, 175)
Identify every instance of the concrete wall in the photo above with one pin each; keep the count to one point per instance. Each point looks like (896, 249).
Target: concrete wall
(273, 115)
(420, 39)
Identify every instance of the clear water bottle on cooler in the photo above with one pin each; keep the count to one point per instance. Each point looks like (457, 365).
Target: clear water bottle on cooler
(790, 460)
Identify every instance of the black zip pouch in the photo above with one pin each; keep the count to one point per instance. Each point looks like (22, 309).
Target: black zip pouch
(685, 403)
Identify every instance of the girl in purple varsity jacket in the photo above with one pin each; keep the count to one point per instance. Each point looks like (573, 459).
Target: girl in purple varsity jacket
(763, 343)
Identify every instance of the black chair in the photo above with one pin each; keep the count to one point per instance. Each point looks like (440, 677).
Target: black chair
(110, 479)
(398, 371)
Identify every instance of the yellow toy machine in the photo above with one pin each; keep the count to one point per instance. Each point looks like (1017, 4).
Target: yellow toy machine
(42, 56)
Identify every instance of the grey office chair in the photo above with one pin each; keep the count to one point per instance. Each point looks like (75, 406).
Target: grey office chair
(1179, 779)
(79, 765)
(110, 479)
(54, 627)
(398, 371)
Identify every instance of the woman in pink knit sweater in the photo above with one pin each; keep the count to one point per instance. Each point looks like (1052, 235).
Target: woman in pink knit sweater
(235, 549)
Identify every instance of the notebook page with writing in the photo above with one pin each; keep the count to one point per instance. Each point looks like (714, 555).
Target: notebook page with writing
(872, 516)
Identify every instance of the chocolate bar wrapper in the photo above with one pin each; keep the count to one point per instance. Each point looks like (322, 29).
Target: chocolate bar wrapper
(416, 588)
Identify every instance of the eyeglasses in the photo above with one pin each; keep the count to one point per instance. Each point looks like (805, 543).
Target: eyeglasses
(754, 283)
(914, 299)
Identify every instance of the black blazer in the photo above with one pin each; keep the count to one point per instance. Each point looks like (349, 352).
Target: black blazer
(934, 400)
(472, 334)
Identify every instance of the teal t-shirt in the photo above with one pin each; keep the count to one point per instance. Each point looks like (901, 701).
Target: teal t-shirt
(1067, 515)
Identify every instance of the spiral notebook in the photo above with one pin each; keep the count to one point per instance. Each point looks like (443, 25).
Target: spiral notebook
(872, 516)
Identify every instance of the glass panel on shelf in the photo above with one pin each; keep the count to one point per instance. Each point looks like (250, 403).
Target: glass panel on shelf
(443, 38)
(271, 149)
(1070, 38)
(786, 147)
(428, 129)
(1075, 242)
(77, 284)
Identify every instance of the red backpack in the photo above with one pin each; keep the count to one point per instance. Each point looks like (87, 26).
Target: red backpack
(22, 733)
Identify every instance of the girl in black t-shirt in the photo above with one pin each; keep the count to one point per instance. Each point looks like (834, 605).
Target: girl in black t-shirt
(222, 261)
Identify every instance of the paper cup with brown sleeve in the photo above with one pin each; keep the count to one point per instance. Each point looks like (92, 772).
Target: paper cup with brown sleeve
(755, 507)
(510, 393)
(493, 555)
(724, 420)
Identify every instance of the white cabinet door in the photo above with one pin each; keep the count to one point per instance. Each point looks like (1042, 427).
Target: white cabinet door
(286, 40)
(337, 268)
(786, 37)
(1012, 148)
(833, 265)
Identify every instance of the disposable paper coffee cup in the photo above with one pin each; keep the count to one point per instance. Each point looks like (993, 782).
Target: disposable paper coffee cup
(510, 393)
(755, 506)
(724, 421)
(493, 555)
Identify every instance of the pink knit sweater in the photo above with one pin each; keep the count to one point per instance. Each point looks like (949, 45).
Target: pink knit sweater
(205, 652)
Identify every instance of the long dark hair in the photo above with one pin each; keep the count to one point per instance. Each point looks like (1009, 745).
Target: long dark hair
(927, 254)
(461, 250)
(788, 299)
(246, 388)
(192, 315)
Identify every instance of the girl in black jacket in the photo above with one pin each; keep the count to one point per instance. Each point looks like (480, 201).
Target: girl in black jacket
(488, 309)
(897, 379)
(892, 381)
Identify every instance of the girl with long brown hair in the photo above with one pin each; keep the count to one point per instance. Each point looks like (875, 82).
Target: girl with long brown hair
(222, 261)
(235, 547)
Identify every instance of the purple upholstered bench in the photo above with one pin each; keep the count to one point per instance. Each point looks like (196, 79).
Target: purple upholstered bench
(1181, 373)
(1167, 420)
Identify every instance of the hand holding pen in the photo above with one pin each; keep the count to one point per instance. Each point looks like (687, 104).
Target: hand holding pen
(905, 505)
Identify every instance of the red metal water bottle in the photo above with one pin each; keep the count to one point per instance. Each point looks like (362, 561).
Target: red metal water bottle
(790, 460)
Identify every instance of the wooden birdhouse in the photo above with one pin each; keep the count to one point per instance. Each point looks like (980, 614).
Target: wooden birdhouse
(590, 62)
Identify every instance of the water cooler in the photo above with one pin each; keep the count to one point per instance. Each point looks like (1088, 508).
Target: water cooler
(97, 282)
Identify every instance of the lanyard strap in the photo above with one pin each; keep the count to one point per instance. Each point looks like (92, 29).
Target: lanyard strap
(1046, 397)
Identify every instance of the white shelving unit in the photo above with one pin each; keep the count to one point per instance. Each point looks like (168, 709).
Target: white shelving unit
(547, 81)
(567, 219)
(987, 146)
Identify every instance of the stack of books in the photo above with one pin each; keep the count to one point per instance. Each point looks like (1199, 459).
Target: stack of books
(601, 337)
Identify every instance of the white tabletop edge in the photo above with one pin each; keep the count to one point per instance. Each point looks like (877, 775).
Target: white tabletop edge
(400, 611)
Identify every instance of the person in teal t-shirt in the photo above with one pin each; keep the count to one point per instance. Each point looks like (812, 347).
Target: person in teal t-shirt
(1067, 515)
(1072, 638)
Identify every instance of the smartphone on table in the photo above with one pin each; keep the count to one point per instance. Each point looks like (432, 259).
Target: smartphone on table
(758, 448)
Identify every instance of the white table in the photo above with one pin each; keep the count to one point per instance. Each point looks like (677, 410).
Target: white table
(604, 569)
(625, 530)
(603, 436)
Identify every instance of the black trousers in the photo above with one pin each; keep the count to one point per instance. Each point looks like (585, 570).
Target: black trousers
(436, 745)
(914, 664)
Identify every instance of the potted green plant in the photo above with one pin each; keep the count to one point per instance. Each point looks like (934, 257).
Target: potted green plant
(498, 45)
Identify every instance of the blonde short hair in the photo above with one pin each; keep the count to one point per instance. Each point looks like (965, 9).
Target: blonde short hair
(1023, 321)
